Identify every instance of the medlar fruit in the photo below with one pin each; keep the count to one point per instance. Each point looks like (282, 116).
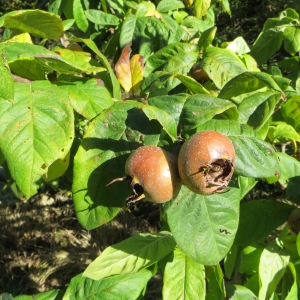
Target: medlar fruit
(206, 162)
(153, 175)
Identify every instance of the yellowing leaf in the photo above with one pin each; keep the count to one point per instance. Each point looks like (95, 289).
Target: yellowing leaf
(153, 13)
(20, 38)
(137, 69)
(130, 72)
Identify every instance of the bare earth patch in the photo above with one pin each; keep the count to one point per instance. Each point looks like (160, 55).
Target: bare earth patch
(42, 245)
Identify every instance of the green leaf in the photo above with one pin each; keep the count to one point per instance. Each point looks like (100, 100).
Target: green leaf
(199, 109)
(201, 7)
(266, 45)
(193, 86)
(167, 122)
(101, 158)
(127, 30)
(230, 261)
(256, 109)
(36, 22)
(221, 65)
(127, 287)
(239, 292)
(290, 288)
(116, 92)
(204, 226)
(246, 83)
(68, 24)
(171, 104)
(88, 98)
(207, 37)
(79, 16)
(249, 260)
(165, 6)
(226, 6)
(48, 295)
(21, 60)
(291, 112)
(215, 283)
(101, 18)
(36, 130)
(290, 176)
(176, 58)
(238, 46)
(258, 218)
(70, 63)
(6, 81)
(291, 37)
(273, 263)
(285, 131)
(255, 157)
(183, 278)
(290, 64)
(131, 255)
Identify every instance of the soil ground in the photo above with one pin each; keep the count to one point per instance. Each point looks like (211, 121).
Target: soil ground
(42, 245)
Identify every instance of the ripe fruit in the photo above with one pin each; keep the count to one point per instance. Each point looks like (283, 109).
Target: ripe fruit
(206, 162)
(294, 221)
(153, 175)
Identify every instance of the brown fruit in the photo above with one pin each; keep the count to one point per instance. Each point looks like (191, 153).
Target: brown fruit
(198, 73)
(206, 162)
(294, 221)
(153, 175)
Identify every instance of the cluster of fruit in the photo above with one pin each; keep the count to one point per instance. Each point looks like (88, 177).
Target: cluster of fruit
(205, 165)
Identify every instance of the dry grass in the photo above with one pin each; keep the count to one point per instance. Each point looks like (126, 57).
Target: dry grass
(42, 245)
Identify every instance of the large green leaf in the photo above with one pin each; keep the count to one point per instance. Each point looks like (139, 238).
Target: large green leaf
(6, 82)
(167, 122)
(127, 287)
(116, 90)
(165, 6)
(246, 83)
(290, 287)
(291, 112)
(204, 227)
(258, 218)
(131, 255)
(201, 7)
(88, 98)
(101, 158)
(249, 260)
(199, 109)
(177, 58)
(35, 130)
(183, 278)
(215, 283)
(21, 60)
(171, 104)
(266, 45)
(291, 39)
(255, 157)
(239, 292)
(221, 65)
(101, 18)
(290, 176)
(256, 110)
(273, 262)
(193, 86)
(36, 22)
(79, 15)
